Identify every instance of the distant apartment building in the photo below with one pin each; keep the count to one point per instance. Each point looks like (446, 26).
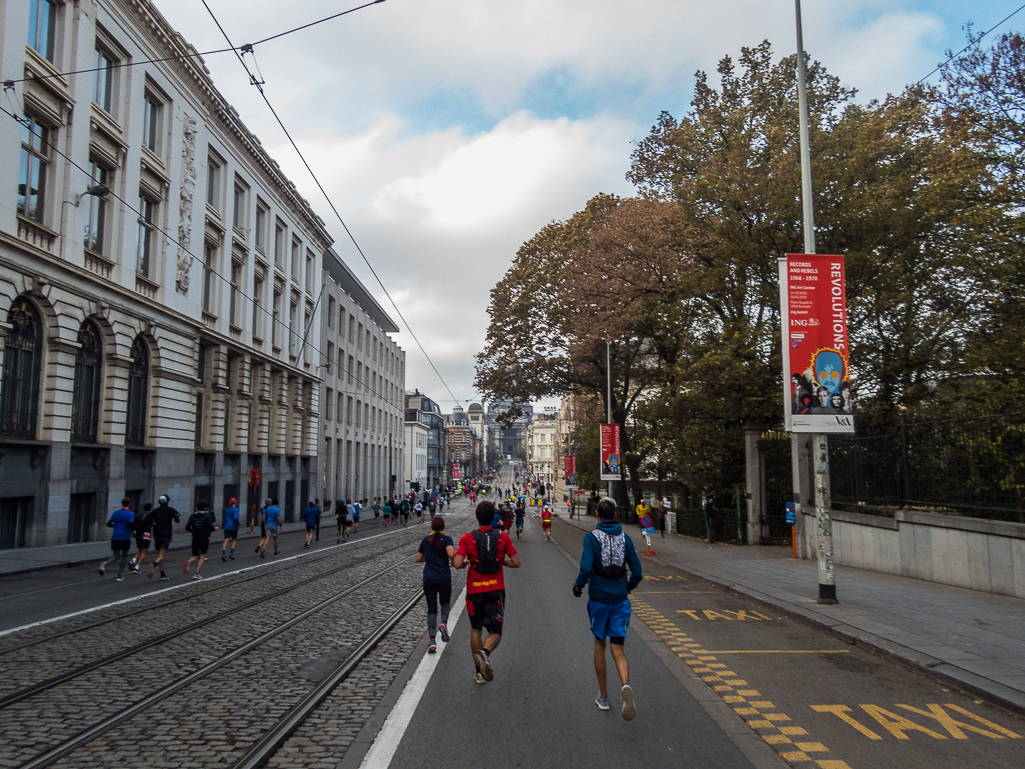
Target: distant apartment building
(431, 416)
(415, 468)
(158, 277)
(364, 371)
(462, 444)
(541, 445)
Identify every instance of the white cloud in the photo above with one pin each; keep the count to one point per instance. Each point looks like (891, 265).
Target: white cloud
(441, 208)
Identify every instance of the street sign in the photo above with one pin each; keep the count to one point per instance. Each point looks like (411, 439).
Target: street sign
(646, 522)
(791, 514)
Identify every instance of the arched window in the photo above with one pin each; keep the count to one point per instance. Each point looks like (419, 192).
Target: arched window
(19, 388)
(138, 394)
(85, 403)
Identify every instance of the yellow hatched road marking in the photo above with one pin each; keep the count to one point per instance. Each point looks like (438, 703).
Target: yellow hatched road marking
(741, 700)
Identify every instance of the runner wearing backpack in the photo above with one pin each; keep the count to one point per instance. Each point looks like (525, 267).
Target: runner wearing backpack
(603, 567)
(486, 551)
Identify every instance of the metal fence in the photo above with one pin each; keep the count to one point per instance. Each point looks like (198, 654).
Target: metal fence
(972, 466)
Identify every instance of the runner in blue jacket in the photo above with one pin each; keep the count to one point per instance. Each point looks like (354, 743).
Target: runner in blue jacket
(606, 556)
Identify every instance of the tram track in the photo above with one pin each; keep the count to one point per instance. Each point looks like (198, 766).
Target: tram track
(93, 732)
(42, 686)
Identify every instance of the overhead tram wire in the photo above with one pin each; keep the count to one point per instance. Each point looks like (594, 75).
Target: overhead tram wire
(189, 55)
(364, 383)
(953, 56)
(259, 87)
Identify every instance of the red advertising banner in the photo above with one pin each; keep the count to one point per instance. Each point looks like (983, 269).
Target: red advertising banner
(819, 386)
(610, 454)
(455, 472)
(569, 471)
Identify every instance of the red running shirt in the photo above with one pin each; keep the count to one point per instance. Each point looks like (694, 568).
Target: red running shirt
(546, 516)
(482, 583)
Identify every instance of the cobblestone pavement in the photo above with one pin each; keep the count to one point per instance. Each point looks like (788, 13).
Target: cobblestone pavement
(214, 720)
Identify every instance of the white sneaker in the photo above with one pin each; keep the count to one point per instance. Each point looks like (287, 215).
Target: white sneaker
(629, 709)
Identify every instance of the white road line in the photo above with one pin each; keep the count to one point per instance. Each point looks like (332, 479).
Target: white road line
(190, 583)
(387, 741)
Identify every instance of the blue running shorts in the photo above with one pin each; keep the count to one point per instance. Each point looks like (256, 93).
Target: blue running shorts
(609, 620)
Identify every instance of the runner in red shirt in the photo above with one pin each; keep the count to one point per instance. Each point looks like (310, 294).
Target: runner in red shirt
(486, 552)
(546, 523)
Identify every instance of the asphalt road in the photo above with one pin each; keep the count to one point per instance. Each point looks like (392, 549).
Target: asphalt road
(811, 696)
(540, 710)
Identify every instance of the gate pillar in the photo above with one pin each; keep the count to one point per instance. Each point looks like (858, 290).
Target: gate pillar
(755, 496)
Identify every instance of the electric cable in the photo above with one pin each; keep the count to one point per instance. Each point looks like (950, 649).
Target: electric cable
(316, 180)
(365, 384)
(953, 56)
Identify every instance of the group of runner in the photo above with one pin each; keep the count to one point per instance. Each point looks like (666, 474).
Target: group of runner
(609, 569)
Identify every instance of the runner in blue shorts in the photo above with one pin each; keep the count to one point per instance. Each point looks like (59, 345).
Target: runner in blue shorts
(606, 556)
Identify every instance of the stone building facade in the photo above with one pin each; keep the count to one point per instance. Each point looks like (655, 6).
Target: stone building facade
(430, 415)
(157, 272)
(363, 390)
(462, 444)
(541, 448)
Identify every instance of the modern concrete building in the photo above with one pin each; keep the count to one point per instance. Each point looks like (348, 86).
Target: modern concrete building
(430, 415)
(511, 441)
(364, 372)
(158, 275)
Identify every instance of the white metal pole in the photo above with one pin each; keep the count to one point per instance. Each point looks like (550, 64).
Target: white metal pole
(820, 442)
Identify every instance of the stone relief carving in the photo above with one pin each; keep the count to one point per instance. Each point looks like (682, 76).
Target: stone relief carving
(185, 204)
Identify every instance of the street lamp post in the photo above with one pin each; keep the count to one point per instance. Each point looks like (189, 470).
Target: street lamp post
(820, 442)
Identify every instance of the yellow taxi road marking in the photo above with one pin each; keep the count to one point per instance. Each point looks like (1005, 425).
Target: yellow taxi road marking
(899, 726)
(701, 660)
(780, 651)
(741, 615)
(674, 592)
(665, 578)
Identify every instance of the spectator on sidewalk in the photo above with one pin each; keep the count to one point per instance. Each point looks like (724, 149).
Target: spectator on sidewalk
(660, 516)
(607, 553)
(122, 522)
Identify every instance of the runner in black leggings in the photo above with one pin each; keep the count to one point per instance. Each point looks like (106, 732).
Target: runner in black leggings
(435, 554)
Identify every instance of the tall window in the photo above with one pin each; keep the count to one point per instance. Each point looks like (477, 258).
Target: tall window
(209, 276)
(33, 167)
(42, 26)
(235, 311)
(352, 329)
(103, 79)
(309, 272)
(19, 388)
(258, 308)
(276, 320)
(147, 240)
(297, 248)
(328, 402)
(330, 356)
(138, 392)
(151, 121)
(279, 244)
(330, 312)
(293, 322)
(213, 182)
(85, 402)
(262, 215)
(239, 206)
(96, 211)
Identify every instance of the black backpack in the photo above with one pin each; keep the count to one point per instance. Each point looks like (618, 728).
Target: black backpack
(487, 552)
(611, 550)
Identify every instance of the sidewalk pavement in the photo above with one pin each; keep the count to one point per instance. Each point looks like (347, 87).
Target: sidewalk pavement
(969, 639)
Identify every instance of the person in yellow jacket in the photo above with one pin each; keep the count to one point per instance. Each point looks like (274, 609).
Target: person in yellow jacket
(643, 508)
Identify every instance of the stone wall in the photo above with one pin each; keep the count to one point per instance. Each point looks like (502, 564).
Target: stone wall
(952, 550)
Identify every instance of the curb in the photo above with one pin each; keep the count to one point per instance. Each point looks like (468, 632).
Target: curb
(938, 669)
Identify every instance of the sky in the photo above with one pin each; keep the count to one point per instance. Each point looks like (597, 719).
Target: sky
(449, 132)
